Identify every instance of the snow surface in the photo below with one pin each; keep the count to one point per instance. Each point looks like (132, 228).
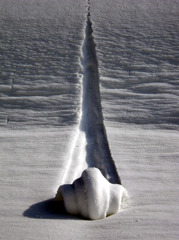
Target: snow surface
(137, 51)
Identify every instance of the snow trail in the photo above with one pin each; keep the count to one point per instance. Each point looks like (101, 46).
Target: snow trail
(90, 147)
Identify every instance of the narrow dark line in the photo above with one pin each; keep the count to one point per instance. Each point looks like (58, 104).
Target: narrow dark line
(97, 149)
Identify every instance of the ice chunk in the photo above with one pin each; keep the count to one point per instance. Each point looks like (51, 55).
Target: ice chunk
(91, 195)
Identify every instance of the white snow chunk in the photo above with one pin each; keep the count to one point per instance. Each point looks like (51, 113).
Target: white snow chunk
(92, 196)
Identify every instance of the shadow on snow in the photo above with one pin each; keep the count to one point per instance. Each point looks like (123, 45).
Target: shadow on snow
(48, 209)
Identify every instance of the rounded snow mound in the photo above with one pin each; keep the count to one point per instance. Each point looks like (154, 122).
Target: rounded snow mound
(92, 196)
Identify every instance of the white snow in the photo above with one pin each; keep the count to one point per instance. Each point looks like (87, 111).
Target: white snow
(32, 164)
(137, 49)
(92, 196)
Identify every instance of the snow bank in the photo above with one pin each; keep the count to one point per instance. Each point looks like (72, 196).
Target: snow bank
(92, 196)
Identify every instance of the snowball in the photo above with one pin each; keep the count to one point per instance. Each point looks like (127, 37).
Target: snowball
(91, 195)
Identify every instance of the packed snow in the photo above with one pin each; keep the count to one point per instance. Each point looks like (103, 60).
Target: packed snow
(92, 196)
(40, 96)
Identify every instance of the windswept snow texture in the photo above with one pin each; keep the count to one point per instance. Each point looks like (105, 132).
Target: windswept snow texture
(138, 54)
(137, 50)
(40, 52)
(40, 96)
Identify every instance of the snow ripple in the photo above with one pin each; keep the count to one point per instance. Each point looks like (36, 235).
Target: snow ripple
(137, 52)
